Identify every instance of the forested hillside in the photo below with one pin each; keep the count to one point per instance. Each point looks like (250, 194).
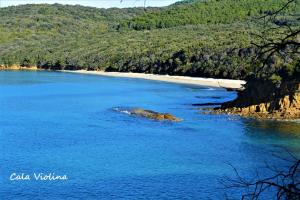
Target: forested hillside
(204, 12)
(197, 38)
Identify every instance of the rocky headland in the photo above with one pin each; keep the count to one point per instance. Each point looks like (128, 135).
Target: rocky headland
(265, 100)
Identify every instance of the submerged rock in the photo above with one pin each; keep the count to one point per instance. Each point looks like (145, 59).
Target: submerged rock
(151, 114)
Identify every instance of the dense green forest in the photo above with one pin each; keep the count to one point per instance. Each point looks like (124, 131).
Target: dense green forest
(197, 38)
(204, 12)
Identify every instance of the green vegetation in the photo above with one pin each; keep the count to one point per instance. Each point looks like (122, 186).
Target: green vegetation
(204, 12)
(196, 38)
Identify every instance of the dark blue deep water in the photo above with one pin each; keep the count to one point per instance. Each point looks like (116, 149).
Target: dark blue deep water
(62, 123)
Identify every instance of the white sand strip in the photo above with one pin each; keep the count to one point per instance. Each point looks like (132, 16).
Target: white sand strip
(210, 82)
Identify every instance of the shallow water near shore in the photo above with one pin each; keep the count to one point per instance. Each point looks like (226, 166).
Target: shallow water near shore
(64, 123)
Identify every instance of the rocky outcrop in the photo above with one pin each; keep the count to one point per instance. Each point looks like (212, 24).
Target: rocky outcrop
(262, 99)
(18, 67)
(150, 114)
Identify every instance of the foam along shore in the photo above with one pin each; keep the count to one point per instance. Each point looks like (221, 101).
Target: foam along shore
(210, 82)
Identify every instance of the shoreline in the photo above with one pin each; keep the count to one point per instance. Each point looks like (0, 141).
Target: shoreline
(18, 68)
(209, 82)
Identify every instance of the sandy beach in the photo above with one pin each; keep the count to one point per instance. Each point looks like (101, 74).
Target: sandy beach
(210, 82)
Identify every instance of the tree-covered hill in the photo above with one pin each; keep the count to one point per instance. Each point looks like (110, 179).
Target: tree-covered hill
(206, 38)
(205, 12)
(51, 18)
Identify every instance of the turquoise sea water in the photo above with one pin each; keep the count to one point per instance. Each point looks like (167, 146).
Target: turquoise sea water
(65, 124)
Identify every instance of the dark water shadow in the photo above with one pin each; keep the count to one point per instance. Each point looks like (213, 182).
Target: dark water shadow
(283, 135)
(206, 104)
(278, 128)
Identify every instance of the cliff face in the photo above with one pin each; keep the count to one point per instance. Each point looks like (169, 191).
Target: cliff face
(265, 100)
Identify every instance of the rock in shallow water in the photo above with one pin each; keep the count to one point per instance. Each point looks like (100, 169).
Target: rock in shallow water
(151, 114)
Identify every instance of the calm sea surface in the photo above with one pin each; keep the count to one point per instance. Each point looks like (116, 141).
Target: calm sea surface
(66, 124)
